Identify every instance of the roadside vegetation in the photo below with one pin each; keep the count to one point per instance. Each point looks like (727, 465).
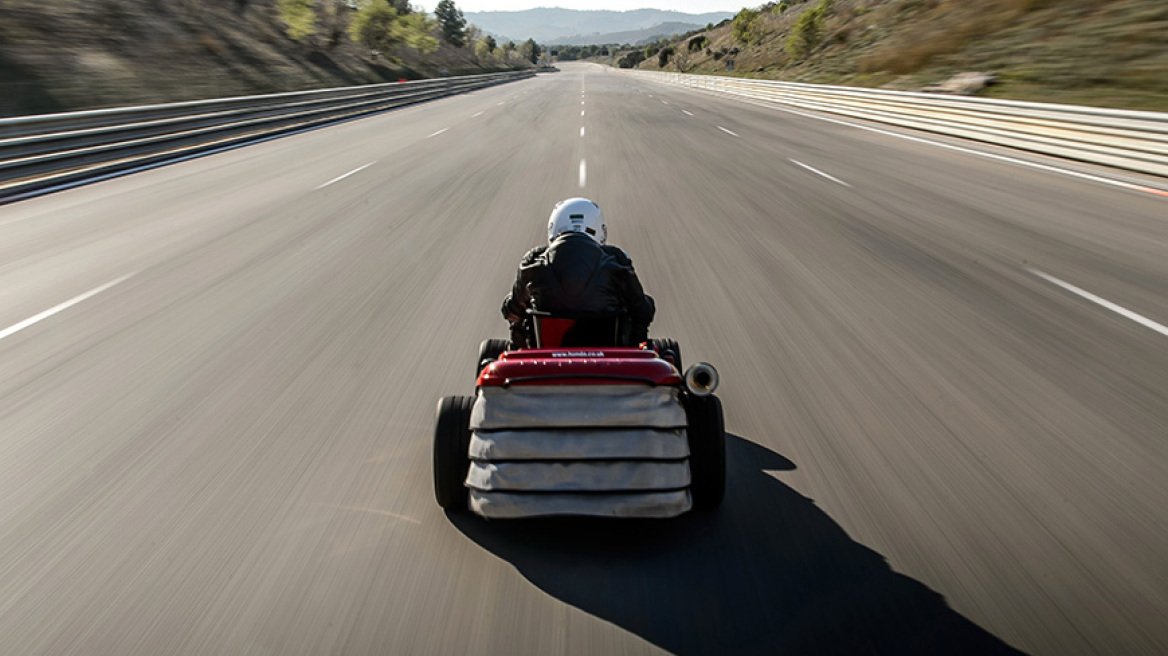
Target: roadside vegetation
(1097, 52)
(84, 54)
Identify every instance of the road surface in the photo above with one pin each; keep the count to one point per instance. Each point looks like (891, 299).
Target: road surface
(945, 377)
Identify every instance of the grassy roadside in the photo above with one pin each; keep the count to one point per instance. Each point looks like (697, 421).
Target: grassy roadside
(1111, 53)
(68, 55)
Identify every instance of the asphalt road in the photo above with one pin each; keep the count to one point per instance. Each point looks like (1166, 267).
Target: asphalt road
(935, 448)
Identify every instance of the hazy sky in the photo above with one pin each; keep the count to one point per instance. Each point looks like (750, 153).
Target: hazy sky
(687, 6)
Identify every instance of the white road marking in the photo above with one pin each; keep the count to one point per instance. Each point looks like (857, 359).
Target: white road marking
(583, 173)
(729, 132)
(581, 101)
(968, 151)
(342, 177)
(384, 513)
(500, 104)
(664, 103)
(58, 308)
(581, 112)
(478, 115)
(437, 133)
(687, 112)
(581, 131)
(1124, 312)
(818, 172)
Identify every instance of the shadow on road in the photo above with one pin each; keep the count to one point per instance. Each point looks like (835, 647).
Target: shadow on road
(769, 573)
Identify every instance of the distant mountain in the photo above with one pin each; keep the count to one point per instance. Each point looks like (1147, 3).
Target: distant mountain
(633, 37)
(564, 26)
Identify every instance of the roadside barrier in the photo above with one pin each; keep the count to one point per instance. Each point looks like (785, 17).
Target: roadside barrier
(39, 152)
(1133, 140)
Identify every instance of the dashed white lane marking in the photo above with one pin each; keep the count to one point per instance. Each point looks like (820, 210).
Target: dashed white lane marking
(63, 306)
(342, 177)
(581, 101)
(581, 131)
(583, 173)
(687, 112)
(500, 104)
(1122, 311)
(478, 115)
(818, 172)
(581, 112)
(664, 103)
(729, 132)
(434, 134)
(968, 151)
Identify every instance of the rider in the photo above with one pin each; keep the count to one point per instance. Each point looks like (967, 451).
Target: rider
(578, 273)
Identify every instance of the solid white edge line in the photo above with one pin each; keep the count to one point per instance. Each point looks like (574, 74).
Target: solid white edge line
(729, 132)
(342, 177)
(1122, 311)
(63, 306)
(818, 172)
(969, 151)
(583, 173)
(437, 133)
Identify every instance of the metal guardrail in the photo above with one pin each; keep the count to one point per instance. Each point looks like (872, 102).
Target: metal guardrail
(1133, 140)
(38, 152)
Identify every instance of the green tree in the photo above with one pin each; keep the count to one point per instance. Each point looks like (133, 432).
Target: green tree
(451, 22)
(299, 16)
(414, 31)
(808, 30)
(485, 48)
(379, 27)
(530, 51)
(746, 26)
(663, 56)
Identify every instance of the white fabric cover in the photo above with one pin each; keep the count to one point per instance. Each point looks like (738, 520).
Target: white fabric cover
(503, 505)
(582, 444)
(523, 406)
(579, 476)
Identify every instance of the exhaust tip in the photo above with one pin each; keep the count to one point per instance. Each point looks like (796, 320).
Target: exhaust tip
(701, 379)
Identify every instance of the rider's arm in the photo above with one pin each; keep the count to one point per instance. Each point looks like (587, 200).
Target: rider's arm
(515, 305)
(637, 303)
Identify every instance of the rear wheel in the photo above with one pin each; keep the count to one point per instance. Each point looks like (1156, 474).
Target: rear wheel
(452, 451)
(489, 351)
(707, 450)
(669, 350)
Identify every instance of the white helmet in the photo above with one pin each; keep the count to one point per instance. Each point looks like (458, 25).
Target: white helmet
(577, 215)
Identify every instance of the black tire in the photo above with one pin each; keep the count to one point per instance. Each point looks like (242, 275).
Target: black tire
(707, 450)
(489, 351)
(452, 451)
(669, 350)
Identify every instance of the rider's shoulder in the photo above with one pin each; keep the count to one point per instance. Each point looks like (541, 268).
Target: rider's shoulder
(618, 254)
(534, 254)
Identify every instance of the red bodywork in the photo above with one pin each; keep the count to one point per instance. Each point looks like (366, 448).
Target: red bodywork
(579, 366)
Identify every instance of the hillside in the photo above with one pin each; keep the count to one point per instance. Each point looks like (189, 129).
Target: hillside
(551, 25)
(1097, 52)
(71, 55)
(633, 37)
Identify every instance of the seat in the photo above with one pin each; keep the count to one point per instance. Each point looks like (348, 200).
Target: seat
(559, 330)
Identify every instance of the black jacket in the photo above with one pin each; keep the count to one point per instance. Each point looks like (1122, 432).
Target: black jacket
(576, 275)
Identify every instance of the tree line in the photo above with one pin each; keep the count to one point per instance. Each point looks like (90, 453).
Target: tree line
(387, 27)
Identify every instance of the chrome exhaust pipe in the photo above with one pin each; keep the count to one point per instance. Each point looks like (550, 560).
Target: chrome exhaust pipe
(701, 379)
